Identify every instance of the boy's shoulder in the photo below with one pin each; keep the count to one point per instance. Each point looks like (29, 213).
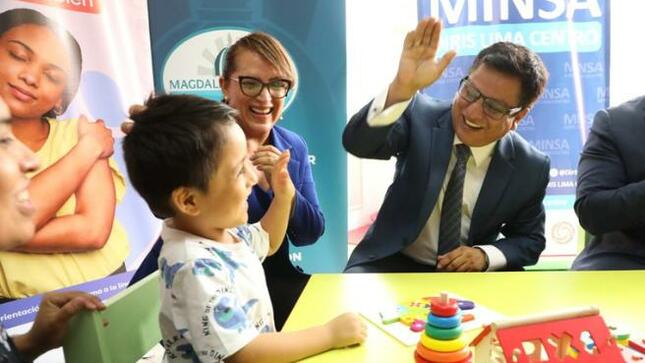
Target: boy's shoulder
(181, 246)
(245, 232)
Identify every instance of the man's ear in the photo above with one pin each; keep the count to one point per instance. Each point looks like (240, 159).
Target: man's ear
(520, 115)
(184, 200)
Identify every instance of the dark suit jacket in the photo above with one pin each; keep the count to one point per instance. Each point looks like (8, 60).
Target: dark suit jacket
(610, 196)
(307, 222)
(510, 201)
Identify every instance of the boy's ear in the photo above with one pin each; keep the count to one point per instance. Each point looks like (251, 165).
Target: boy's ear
(184, 200)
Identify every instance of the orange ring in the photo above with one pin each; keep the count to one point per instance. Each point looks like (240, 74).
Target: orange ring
(428, 356)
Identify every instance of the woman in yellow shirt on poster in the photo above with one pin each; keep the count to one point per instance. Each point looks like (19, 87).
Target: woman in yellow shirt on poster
(76, 189)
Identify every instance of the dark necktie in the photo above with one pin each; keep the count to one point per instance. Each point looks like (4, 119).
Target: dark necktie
(450, 223)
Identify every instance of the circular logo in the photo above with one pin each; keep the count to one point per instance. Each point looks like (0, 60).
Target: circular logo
(553, 172)
(562, 232)
(196, 63)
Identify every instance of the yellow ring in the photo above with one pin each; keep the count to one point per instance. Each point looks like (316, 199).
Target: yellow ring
(442, 345)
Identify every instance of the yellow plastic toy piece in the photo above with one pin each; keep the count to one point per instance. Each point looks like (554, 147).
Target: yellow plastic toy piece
(443, 345)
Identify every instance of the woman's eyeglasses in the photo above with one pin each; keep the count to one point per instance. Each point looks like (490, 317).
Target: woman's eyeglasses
(252, 87)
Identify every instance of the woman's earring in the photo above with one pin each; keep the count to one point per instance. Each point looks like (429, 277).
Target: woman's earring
(58, 110)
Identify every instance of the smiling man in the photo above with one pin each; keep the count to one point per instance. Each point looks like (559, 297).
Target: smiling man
(467, 191)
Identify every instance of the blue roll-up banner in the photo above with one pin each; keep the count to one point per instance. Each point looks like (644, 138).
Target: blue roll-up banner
(572, 37)
(187, 38)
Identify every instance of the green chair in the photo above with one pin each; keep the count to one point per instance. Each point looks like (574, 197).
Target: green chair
(126, 330)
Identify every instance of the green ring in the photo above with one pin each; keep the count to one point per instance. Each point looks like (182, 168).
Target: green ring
(444, 334)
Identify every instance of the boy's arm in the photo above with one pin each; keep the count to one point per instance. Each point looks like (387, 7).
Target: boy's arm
(276, 218)
(344, 330)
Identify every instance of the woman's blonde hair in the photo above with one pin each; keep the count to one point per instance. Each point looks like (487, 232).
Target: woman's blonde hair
(267, 47)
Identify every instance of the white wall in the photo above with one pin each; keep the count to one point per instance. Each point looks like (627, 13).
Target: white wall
(627, 49)
(375, 32)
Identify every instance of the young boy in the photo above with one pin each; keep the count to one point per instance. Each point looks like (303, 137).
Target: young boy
(187, 158)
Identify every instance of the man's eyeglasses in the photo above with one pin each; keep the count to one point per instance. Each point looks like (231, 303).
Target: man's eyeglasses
(252, 87)
(492, 107)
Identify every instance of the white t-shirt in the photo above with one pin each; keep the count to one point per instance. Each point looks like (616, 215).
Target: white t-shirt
(214, 297)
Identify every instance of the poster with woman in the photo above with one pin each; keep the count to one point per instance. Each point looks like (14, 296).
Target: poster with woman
(68, 72)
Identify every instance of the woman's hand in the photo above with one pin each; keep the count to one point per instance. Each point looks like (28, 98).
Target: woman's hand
(128, 124)
(50, 326)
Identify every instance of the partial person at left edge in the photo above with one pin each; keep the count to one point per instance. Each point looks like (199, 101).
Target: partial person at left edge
(16, 228)
(77, 187)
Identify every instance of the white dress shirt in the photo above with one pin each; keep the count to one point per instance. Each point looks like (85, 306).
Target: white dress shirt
(424, 248)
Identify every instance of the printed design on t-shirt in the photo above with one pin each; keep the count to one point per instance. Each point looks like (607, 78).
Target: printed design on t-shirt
(229, 315)
(244, 233)
(182, 332)
(168, 272)
(187, 352)
(205, 267)
(227, 258)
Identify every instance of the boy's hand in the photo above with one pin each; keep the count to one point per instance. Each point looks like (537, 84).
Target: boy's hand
(347, 329)
(280, 179)
(264, 158)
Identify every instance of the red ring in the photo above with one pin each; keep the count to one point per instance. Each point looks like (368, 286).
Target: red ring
(440, 309)
(420, 359)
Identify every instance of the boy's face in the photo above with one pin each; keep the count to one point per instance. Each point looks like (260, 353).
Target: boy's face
(224, 205)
